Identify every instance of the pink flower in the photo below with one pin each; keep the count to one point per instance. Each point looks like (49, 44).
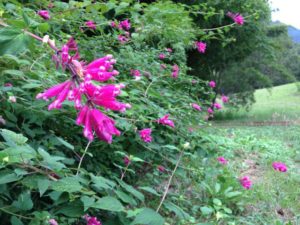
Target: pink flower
(175, 71)
(8, 85)
(169, 50)
(279, 166)
(196, 106)
(122, 39)
(100, 69)
(53, 222)
(136, 73)
(92, 220)
(217, 106)
(105, 96)
(12, 99)
(222, 160)
(246, 182)
(225, 98)
(210, 110)
(165, 121)
(162, 56)
(125, 25)
(237, 18)
(60, 91)
(161, 168)
(65, 54)
(212, 84)
(127, 161)
(44, 14)
(145, 134)
(91, 24)
(93, 119)
(113, 24)
(201, 46)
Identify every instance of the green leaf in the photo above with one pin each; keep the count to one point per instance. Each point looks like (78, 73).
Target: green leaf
(17, 154)
(149, 190)
(131, 190)
(177, 210)
(43, 27)
(43, 185)
(65, 143)
(148, 217)
(233, 194)
(13, 41)
(73, 209)
(15, 221)
(126, 198)
(109, 203)
(24, 202)
(7, 176)
(87, 202)
(217, 187)
(101, 182)
(206, 210)
(68, 184)
(12, 138)
(217, 202)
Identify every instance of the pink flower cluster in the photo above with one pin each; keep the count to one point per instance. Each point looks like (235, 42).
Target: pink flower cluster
(237, 18)
(196, 106)
(246, 182)
(124, 26)
(44, 14)
(126, 160)
(145, 134)
(175, 71)
(91, 24)
(225, 99)
(212, 84)
(92, 220)
(201, 46)
(136, 73)
(279, 166)
(222, 160)
(53, 222)
(86, 95)
(166, 121)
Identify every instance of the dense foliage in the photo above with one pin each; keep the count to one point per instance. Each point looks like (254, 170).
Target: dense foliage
(153, 164)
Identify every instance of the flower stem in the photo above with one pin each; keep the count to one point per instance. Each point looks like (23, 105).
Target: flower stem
(82, 157)
(169, 182)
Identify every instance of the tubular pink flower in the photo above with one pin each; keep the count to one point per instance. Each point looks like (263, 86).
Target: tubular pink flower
(196, 106)
(161, 56)
(125, 25)
(101, 69)
(222, 160)
(113, 24)
(165, 121)
(225, 99)
(122, 39)
(44, 14)
(246, 182)
(145, 134)
(88, 131)
(175, 71)
(105, 96)
(82, 115)
(53, 91)
(104, 126)
(126, 160)
(210, 110)
(65, 54)
(217, 106)
(279, 166)
(201, 46)
(237, 18)
(91, 24)
(61, 97)
(212, 84)
(161, 168)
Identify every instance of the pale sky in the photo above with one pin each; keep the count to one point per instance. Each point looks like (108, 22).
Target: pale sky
(289, 12)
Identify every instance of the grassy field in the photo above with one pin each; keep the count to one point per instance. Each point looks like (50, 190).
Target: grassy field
(281, 103)
(253, 140)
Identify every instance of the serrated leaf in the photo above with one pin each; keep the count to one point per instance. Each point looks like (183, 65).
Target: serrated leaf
(7, 176)
(132, 190)
(177, 210)
(87, 202)
(149, 190)
(101, 182)
(13, 138)
(17, 154)
(126, 198)
(148, 217)
(109, 203)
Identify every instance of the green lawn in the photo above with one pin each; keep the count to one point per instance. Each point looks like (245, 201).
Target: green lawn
(281, 103)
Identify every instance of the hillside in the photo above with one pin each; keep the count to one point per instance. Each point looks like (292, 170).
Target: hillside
(294, 33)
